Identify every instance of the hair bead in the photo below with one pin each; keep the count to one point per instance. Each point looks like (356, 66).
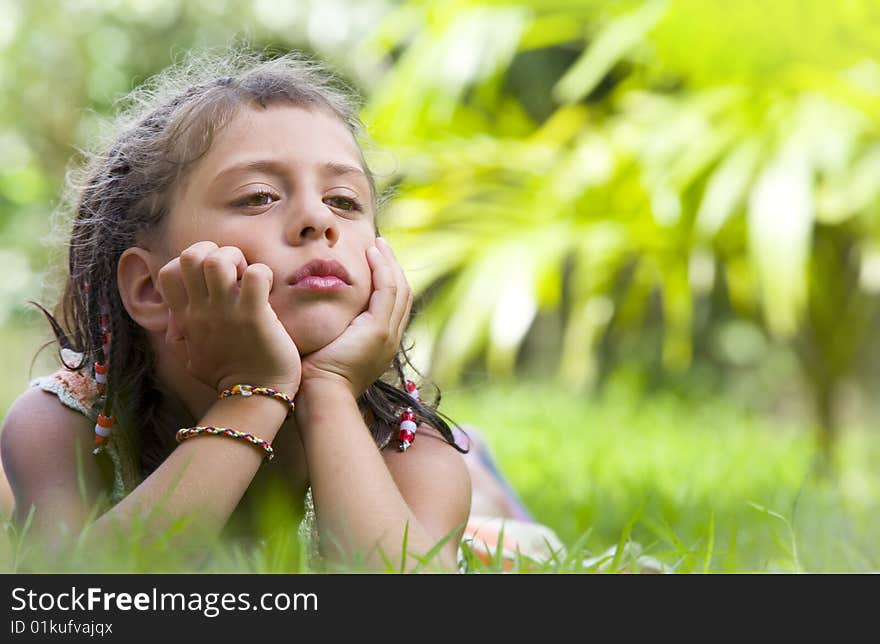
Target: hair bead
(105, 422)
(406, 433)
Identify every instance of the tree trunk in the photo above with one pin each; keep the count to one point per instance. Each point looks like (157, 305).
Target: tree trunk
(827, 428)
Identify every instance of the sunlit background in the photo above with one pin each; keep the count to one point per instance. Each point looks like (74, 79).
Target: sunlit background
(644, 238)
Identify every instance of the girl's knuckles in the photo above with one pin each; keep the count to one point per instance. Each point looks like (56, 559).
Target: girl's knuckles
(190, 260)
(260, 272)
(214, 262)
(168, 272)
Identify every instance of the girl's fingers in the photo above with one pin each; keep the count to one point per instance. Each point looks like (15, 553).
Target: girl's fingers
(192, 269)
(171, 285)
(404, 320)
(384, 288)
(223, 268)
(403, 302)
(175, 339)
(256, 282)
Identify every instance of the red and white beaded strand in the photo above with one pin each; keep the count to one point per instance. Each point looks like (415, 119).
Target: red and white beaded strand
(407, 433)
(105, 419)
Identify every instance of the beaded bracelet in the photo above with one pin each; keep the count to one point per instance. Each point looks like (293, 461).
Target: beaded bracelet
(189, 432)
(250, 390)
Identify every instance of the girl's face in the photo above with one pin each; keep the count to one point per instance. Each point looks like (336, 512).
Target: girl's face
(285, 185)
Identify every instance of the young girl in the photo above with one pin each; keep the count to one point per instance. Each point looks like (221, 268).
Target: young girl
(230, 303)
(226, 280)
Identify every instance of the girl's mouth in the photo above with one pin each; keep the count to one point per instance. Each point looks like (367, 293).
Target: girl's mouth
(320, 283)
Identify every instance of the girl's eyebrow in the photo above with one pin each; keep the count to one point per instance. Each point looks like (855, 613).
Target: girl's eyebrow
(341, 169)
(280, 168)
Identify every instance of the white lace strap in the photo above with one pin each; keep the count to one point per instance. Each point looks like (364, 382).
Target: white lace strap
(55, 386)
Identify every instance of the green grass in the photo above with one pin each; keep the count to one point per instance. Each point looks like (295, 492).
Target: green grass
(708, 486)
(698, 483)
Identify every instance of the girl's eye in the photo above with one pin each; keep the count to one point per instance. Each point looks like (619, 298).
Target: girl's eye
(257, 199)
(344, 203)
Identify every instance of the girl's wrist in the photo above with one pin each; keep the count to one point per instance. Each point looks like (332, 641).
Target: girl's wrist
(318, 396)
(259, 415)
(325, 383)
(260, 404)
(289, 389)
(246, 391)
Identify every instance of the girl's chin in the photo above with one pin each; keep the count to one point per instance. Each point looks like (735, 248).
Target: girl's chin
(309, 342)
(316, 324)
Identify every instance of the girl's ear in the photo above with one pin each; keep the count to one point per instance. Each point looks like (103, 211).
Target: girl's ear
(136, 275)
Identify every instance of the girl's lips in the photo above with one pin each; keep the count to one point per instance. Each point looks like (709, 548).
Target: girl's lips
(320, 283)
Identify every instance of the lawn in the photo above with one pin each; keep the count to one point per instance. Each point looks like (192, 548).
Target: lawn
(704, 485)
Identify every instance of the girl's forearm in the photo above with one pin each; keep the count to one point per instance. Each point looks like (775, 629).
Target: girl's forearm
(202, 480)
(359, 507)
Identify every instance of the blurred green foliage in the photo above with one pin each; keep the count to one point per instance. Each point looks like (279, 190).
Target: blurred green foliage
(687, 190)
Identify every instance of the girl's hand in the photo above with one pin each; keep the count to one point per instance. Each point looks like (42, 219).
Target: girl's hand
(363, 352)
(221, 325)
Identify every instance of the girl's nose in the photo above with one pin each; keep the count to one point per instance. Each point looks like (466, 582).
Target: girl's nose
(311, 219)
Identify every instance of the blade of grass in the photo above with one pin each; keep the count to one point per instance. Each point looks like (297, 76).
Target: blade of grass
(426, 559)
(730, 561)
(403, 550)
(624, 539)
(793, 553)
(710, 544)
(575, 554)
(498, 559)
